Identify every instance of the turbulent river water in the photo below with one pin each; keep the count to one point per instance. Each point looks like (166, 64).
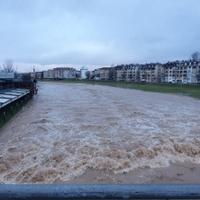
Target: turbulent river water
(70, 128)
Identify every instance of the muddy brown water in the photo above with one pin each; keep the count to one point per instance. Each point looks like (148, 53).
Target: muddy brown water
(68, 129)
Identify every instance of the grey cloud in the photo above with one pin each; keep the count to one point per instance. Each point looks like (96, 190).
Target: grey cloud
(98, 31)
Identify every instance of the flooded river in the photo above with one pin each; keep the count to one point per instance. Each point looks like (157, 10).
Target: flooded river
(68, 129)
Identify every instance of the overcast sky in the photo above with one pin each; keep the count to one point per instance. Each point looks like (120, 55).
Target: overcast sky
(98, 32)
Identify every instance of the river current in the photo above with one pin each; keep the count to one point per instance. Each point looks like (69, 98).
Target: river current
(69, 128)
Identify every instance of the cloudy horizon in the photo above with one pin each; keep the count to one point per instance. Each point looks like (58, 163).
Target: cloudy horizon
(98, 32)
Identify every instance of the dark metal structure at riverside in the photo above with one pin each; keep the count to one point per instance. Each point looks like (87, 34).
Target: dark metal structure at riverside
(9, 96)
(86, 192)
(14, 93)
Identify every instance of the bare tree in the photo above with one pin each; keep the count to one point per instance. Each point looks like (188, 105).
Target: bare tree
(196, 56)
(8, 66)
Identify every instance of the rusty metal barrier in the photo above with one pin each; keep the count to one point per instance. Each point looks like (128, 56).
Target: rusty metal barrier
(99, 192)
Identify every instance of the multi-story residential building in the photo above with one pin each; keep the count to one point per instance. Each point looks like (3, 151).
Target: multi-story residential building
(91, 75)
(112, 73)
(39, 75)
(171, 72)
(49, 74)
(128, 73)
(193, 72)
(131, 73)
(95, 75)
(120, 73)
(45, 74)
(104, 73)
(181, 72)
(69, 73)
(150, 73)
(60, 73)
(138, 73)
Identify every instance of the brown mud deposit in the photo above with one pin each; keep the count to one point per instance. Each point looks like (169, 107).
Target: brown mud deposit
(79, 133)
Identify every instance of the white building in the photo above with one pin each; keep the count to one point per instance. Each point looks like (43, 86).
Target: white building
(84, 71)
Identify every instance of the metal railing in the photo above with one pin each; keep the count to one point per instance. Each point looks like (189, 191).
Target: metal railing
(89, 192)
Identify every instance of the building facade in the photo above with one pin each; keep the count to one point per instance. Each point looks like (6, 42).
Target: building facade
(84, 73)
(49, 74)
(184, 72)
(104, 73)
(60, 73)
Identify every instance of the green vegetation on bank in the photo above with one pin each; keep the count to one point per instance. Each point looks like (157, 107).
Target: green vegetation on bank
(182, 89)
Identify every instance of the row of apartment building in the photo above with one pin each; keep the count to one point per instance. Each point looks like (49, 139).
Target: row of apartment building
(171, 72)
(61, 73)
(57, 73)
